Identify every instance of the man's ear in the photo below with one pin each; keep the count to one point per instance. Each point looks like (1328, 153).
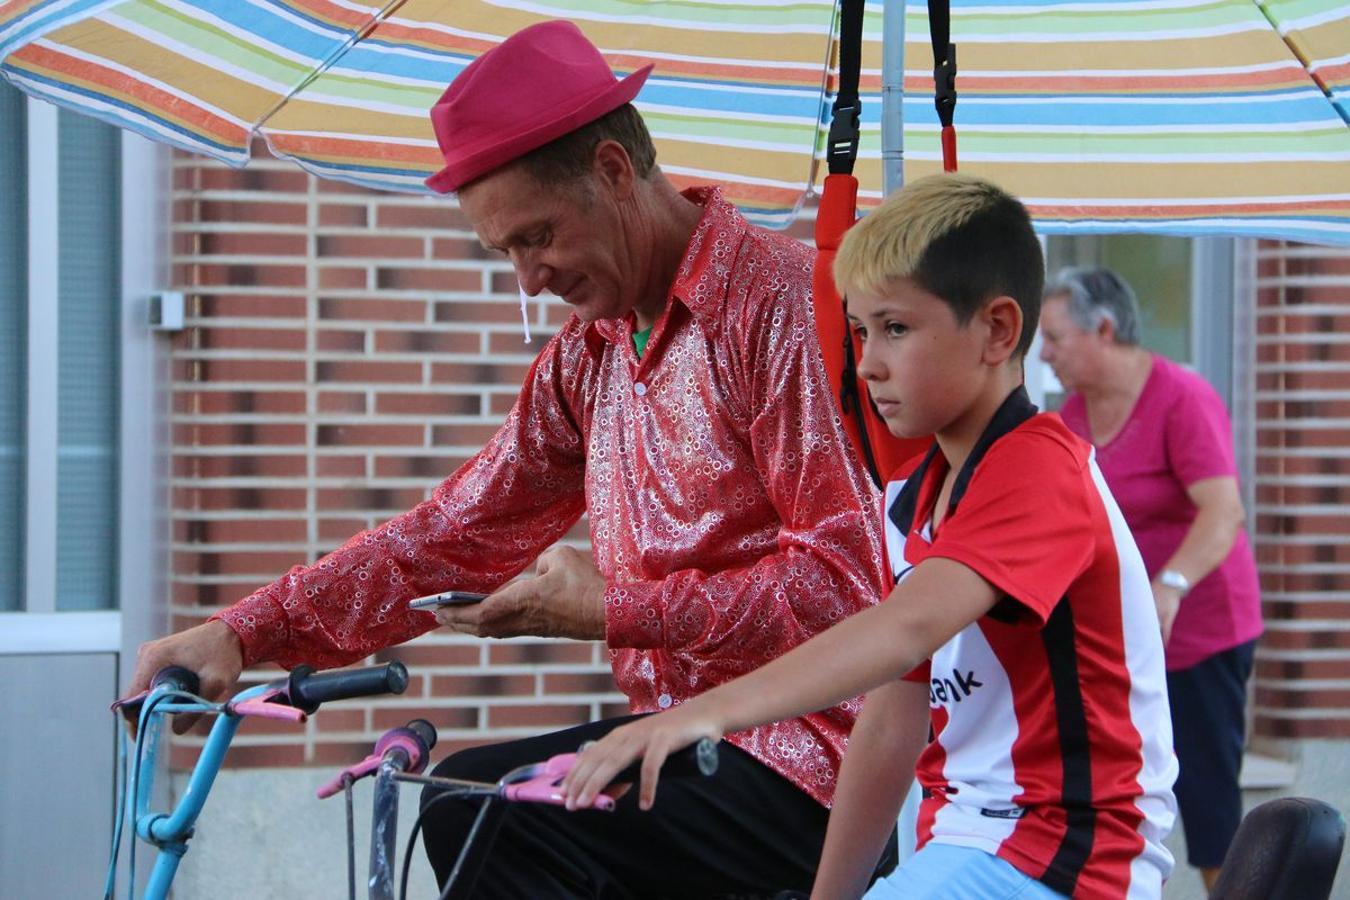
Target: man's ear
(1003, 321)
(614, 169)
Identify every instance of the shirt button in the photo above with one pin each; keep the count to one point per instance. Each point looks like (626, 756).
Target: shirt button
(640, 389)
(663, 701)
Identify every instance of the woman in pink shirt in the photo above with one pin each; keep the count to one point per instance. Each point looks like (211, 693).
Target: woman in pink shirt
(1165, 446)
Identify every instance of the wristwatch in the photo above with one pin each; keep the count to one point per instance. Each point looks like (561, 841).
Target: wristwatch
(1175, 580)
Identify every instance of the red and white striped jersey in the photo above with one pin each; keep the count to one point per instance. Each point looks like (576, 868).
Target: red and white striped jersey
(1052, 742)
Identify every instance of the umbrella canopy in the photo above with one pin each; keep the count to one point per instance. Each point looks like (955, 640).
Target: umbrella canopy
(1176, 116)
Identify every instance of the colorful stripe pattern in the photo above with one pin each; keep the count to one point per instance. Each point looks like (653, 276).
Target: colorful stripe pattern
(1176, 116)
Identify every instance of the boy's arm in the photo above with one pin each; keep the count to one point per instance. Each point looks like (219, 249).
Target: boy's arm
(935, 601)
(877, 771)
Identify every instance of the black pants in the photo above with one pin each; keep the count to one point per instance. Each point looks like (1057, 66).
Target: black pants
(1209, 702)
(744, 831)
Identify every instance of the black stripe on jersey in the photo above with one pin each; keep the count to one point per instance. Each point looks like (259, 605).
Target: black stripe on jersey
(1081, 819)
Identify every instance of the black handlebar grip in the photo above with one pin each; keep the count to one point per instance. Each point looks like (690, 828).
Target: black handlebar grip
(307, 689)
(699, 758)
(178, 679)
(425, 732)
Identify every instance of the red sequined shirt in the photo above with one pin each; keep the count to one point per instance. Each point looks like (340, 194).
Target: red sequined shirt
(727, 511)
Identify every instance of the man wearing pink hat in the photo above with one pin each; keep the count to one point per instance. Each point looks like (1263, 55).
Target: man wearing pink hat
(684, 407)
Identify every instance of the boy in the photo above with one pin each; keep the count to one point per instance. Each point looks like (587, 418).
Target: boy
(1021, 614)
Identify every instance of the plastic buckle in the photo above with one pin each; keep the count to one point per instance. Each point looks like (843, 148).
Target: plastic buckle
(842, 144)
(944, 86)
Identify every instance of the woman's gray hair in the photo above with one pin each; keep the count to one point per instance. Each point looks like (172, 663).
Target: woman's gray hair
(1096, 295)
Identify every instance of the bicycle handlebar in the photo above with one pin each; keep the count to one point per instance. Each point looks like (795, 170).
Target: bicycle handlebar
(177, 678)
(306, 689)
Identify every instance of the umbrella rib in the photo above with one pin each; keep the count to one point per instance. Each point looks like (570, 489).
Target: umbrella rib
(352, 40)
(1303, 59)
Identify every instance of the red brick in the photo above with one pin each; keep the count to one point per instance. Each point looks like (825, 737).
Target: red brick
(439, 655)
(268, 212)
(250, 243)
(614, 710)
(239, 562)
(489, 312)
(415, 466)
(372, 499)
(1278, 639)
(431, 404)
(1287, 669)
(500, 404)
(579, 683)
(341, 719)
(478, 373)
(341, 466)
(408, 278)
(426, 342)
(462, 435)
(481, 685)
(440, 216)
(1325, 698)
(448, 717)
(327, 186)
(252, 370)
(342, 214)
(239, 466)
(372, 309)
(272, 498)
(330, 341)
(506, 283)
(370, 246)
(342, 402)
(370, 435)
(1267, 726)
(261, 306)
(368, 372)
(459, 248)
(337, 531)
(231, 531)
(533, 654)
(335, 277)
(251, 339)
(252, 179)
(249, 434)
(537, 716)
(339, 754)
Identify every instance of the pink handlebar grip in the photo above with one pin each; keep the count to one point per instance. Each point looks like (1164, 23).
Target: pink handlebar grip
(544, 787)
(364, 767)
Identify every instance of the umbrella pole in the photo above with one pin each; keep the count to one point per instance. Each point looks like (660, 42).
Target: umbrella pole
(892, 95)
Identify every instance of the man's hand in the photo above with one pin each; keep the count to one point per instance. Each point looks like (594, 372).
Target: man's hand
(1168, 601)
(566, 598)
(211, 649)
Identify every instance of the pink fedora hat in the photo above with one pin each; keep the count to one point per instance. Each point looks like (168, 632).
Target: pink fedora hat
(537, 85)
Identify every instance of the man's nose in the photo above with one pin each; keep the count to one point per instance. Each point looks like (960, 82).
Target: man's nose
(530, 272)
(869, 367)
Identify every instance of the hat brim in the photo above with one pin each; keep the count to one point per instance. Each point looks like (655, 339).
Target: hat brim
(497, 152)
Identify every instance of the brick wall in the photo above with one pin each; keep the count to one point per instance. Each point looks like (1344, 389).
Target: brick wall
(1301, 523)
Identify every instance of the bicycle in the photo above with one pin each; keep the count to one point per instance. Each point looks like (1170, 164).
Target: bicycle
(399, 756)
(173, 691)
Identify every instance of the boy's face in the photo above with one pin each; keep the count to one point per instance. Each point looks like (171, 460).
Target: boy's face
(925, 371)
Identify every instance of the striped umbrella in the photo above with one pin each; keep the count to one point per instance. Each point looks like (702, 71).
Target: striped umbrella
(1175, 116)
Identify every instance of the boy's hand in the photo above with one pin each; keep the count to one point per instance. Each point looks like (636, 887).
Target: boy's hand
(651, 739)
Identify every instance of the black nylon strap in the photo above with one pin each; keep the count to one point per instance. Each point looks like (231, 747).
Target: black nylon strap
(845, 123)
(944, 59)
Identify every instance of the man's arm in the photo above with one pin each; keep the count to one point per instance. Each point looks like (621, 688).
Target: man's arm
(876, 646)
(878, 768)
(484, 524)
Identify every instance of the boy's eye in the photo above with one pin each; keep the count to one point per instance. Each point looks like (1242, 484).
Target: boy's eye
(859, 329)
(895, 329)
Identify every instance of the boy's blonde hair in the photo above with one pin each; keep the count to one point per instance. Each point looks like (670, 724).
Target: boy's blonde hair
(958, 237)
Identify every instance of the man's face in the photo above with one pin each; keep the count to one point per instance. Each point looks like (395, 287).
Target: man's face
(566, 239)
(923, 369)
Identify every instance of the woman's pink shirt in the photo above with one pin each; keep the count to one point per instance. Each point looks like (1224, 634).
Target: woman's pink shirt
(1177, 434)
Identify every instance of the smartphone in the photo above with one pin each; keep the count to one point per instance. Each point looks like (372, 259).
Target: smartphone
(445, 598)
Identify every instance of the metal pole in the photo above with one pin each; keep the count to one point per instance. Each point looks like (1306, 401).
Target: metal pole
(892, 95)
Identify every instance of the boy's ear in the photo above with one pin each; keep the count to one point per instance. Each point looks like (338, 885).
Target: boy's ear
(1003, 321)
